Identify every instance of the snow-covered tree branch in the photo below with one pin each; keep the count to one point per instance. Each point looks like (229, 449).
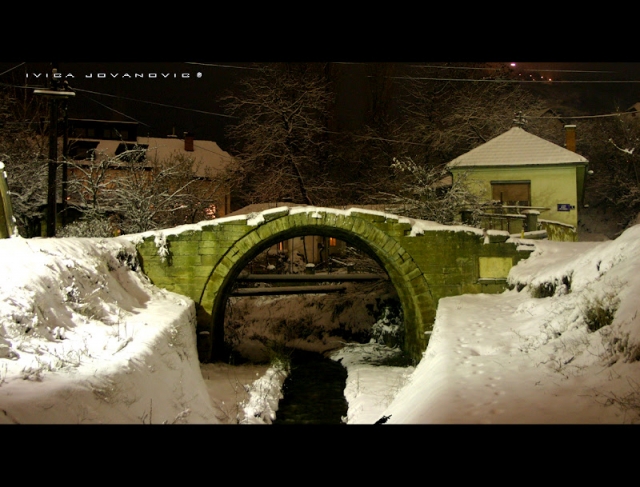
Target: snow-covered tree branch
(136, 194)
(429, 193)
(281, 133)
(24, 152)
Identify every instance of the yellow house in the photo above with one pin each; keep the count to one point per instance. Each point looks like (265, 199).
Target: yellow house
(520, 169)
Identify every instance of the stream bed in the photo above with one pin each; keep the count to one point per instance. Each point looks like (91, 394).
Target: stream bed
(313, 392)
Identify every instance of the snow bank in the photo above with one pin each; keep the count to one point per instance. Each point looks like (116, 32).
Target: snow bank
(264, 395)
(85, 338)
(562, 347)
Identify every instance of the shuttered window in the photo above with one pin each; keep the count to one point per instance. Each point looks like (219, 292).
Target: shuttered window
(511, 193)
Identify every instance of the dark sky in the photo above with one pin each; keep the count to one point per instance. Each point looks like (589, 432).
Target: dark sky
(104, 91)
(118, 91)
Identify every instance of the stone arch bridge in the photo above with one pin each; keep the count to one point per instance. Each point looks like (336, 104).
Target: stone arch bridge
(425, 261)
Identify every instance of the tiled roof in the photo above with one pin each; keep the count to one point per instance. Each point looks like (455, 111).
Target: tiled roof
(209, 158)
(516, 147)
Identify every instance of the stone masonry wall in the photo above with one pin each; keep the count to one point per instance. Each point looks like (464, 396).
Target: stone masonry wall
(203, 262)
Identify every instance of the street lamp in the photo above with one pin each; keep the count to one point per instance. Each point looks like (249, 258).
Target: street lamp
(54, 97)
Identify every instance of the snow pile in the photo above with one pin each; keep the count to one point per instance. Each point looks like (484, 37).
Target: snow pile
(371, 386)
(85, 338)
(264, 395)
(562, 347)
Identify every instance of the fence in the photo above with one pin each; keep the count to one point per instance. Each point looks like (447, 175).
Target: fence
(519, 220)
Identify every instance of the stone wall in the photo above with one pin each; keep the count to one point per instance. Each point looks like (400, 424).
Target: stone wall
(203, 261)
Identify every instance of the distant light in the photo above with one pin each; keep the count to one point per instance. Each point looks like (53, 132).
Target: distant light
(513, 65)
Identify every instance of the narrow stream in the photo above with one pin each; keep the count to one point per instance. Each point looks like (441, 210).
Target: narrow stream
(313, 392)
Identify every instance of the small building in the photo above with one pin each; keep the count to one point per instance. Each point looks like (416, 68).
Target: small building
(90, 140)
(518, 169)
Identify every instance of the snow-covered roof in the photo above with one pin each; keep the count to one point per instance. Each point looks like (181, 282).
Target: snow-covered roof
(634, 108)
(517, 147)
(209, 158)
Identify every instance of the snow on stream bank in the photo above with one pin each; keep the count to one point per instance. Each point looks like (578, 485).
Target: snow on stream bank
(85, 338)
(562, 347)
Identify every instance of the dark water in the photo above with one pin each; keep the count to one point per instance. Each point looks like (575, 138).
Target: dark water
(313, 392)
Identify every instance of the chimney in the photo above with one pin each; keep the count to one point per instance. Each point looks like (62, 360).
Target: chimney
(570, 141)
(188, 142)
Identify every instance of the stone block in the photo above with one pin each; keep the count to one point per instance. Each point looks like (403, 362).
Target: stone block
(368, 217)
(188, 247)
(275, 214)
(494, 267)
(210, 260)
(185, 260)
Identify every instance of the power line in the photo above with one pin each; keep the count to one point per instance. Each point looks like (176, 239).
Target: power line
(449, 67)
(155, 103)
(488, 68)
(367, 137)
(223, 66)
(11, 69)
(118, 112)
(564, 70)
(617, 114)
(488, 80)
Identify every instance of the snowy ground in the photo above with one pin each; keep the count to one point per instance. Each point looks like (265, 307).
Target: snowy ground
(514, 358)
(84, 338)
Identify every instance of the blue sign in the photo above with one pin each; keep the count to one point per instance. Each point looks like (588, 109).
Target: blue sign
(565, 207)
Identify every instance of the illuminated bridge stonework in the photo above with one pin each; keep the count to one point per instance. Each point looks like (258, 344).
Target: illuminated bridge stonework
(425, 262)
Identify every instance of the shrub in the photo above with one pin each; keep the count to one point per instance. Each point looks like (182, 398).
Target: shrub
(544, 290)
(89, 227)
(600, 311)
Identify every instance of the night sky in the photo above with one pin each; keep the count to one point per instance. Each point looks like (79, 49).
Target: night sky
(115, 91)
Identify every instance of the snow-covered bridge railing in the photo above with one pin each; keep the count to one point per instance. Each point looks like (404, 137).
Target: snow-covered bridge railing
(425, 261)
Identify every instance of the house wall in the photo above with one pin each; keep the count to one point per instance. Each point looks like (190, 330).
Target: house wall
(550, 186)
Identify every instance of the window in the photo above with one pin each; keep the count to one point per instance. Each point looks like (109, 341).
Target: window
(333, 242)
(511, 193)
(131, 152)
(82, 149)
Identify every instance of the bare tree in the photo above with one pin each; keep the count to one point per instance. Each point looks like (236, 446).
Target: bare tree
(612, 146)
(428, 193)
(281, 134)
(131, 193)
(449, 113)
(24, 152)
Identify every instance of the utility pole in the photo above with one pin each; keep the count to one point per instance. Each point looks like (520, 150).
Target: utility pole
(65, 154)
(55, 93)
(53, 166)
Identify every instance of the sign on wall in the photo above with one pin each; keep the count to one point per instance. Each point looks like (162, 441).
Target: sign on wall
(565, 207)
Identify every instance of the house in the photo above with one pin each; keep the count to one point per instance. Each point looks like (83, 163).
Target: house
(633, 109)
(93, 140)
(518, 168)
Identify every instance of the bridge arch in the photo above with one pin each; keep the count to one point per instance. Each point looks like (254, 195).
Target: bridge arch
(425, 261)
(412, 288)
